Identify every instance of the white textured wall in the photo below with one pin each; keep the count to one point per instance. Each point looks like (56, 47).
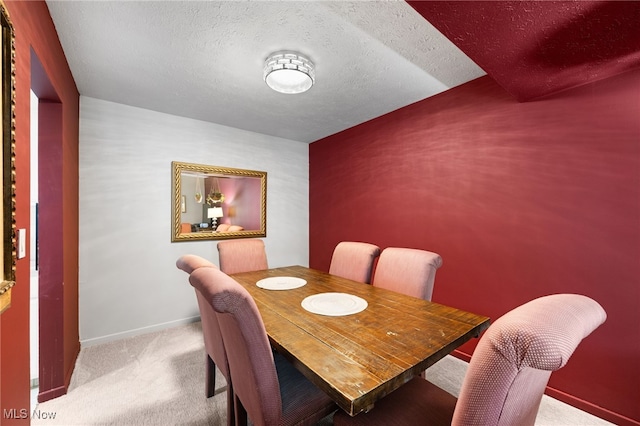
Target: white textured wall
(128, 280)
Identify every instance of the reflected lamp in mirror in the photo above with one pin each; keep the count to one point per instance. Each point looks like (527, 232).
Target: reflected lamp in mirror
(214, 213)
(236, 198)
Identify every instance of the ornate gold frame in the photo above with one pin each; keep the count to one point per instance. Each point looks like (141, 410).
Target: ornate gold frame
(8, 224)
(177, 168)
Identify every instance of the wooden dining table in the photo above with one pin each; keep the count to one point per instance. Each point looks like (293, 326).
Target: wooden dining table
(358, 358)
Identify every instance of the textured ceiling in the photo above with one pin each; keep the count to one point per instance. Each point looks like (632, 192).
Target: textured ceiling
(536, 48)
(204, 60)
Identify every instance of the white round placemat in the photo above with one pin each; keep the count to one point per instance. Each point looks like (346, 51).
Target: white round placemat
(334, 304)
(281, 283)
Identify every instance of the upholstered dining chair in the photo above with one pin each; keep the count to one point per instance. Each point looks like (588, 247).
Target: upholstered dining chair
(267, 387)
(354, 260)
(408, 271)
(242, 255)
(212, 336)
(508, 372)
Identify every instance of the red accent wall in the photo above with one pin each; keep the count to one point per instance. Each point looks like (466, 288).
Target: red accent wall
(35, 32)
(520, 199)
(535, 48)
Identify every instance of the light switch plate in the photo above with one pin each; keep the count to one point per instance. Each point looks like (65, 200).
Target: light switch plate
(22, 243)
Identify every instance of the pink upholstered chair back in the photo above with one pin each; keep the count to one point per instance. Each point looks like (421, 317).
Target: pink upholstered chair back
(251, 362)
(242, 255)
(210, 329)
(191, 262)
(408, 271)
(514, 359)
(354, 260)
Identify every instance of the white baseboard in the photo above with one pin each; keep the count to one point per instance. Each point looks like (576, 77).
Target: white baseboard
(136, 332)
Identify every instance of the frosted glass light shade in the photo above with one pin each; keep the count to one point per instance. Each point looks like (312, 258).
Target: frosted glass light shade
(289, 72)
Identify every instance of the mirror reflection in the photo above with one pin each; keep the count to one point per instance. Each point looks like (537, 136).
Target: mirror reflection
(212, 202)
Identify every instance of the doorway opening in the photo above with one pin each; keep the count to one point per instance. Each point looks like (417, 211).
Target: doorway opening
(49, 252)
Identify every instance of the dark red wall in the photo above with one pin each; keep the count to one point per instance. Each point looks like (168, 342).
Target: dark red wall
(520, 199)
(36, 34)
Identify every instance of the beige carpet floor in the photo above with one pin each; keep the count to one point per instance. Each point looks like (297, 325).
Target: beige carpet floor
(158, 379)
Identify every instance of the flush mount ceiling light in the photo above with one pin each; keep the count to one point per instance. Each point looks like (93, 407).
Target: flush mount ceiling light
(289, 72)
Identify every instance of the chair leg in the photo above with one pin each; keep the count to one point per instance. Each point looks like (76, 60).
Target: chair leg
(240, 412)
(210, 377)
(231, 416)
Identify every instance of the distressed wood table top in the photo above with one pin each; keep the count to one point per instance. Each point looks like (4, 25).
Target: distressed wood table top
(357, 359)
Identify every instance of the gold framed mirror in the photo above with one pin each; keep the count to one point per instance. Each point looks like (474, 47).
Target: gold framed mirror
(8, 224)
(217, 203)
